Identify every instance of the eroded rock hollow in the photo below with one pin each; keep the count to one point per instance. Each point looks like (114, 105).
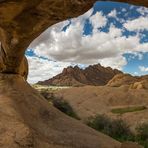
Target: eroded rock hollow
(26, 119)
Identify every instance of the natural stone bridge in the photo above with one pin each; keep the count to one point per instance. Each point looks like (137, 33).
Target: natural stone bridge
(21, 21)
(26, 119)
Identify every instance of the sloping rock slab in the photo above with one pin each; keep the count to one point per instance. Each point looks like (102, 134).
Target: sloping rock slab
(29, 121)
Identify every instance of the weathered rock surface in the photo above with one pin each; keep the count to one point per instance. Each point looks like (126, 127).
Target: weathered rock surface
(74, 76)
(121, 79)
(127, 79)
(143, 84)
(28, 121)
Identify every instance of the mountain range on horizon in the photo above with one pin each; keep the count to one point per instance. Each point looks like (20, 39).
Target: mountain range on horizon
(75, 76)
(95, 75)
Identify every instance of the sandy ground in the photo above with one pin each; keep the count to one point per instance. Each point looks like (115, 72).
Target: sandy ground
(92, 100)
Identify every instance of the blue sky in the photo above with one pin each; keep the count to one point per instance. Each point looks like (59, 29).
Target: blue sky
(113, 34)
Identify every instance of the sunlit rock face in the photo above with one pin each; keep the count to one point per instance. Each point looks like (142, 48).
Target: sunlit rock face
(74, 76)
(134, 82)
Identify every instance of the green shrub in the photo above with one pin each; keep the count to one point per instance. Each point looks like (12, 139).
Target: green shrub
(142, 134)
(59, 103)
(143, 131)
(128, 109)
(117, 129)
(64, 107)
(99, 122)
(120, 130)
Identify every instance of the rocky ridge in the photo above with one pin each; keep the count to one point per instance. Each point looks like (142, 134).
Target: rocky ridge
(74, 76)
(135, 82)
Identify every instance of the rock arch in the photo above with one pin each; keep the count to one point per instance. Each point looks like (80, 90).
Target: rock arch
(22, 21)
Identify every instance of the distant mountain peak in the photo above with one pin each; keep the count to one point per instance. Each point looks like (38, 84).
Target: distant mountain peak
(75, 76)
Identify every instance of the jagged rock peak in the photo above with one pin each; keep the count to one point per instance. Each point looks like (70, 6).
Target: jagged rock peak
(75, 76)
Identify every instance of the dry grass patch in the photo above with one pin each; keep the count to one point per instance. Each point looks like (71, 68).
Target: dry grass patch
(128, 109)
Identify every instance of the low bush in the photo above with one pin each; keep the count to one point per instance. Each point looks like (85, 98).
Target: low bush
(120, 130)
(117, 129)
(64, 107)
(59, 103)
(99, 122)
(142, 134)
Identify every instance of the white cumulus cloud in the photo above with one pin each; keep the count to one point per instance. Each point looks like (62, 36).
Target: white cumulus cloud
(98, 21)
(42, 69)
(73, 46)
(138, 24)
(143, 69)
(113, 13)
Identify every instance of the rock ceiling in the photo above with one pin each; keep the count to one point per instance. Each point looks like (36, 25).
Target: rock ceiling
(21, 21)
